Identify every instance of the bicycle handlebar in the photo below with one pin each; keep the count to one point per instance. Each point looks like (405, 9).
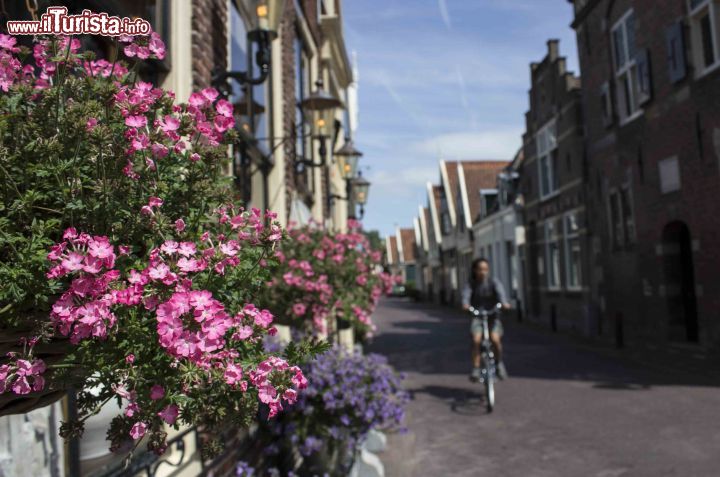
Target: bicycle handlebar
(494, 311)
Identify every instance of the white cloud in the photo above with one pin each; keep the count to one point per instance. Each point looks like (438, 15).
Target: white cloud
(490, 144)
(445, 14)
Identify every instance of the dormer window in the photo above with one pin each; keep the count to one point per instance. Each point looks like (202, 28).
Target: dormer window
(488, 201)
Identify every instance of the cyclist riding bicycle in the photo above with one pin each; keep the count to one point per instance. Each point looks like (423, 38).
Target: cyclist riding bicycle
(483, 292)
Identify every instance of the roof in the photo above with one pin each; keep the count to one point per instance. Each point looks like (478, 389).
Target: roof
(392, 250)
(425, 223)
(407, 245)
(434, 192)
(448, 173)
(478, 175)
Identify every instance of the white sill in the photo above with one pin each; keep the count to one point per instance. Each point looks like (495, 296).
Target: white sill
(574, 289)
(554, 288)
(708, 70)
(632, 117)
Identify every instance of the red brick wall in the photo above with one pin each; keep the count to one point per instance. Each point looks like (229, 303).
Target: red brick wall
(209, 39)
(634, 276)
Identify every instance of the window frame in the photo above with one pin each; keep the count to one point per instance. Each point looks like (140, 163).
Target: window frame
(568, 236)
(626, 74)
(695, 15)
(552, 272)
(545, 149)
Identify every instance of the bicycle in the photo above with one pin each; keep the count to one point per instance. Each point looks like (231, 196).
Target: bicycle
(489, 366)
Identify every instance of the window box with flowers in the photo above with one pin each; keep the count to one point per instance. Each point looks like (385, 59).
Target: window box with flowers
(120, 257)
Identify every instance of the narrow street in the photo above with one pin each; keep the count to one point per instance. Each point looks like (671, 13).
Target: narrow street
(569, 409)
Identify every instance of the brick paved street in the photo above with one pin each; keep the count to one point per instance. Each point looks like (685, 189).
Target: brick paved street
(569, 409)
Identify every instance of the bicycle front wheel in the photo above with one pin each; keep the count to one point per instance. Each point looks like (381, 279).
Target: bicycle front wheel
(489, 391)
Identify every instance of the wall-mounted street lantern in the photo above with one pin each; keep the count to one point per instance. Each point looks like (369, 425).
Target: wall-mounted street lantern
(320, 108)
(360, 188)
(266, 29)
(347, 159)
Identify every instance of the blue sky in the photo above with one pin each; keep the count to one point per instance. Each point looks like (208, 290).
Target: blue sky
(442, 79)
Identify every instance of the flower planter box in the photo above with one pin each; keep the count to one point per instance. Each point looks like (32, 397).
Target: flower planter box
(51, 353)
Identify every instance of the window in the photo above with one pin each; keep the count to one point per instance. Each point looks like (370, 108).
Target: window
(552, 253)
(460, 211)
(704, 34)
(622, 218)
(628, 216)
(573, 256)
(488, 201)
(606, 105)
(675, 44)
(546, 139)
(303, 148)
(626, 73)
(445, 222)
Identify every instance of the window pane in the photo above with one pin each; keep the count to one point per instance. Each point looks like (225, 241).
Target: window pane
(627, 93)
(571, 224)
(541, 142)
(552, 136)
(238, 48)
(574, 257)
(707, 42)
(630, 33)
(628, 219)
(554, 169)
(554, 263)
(619, 44)
(544, 175)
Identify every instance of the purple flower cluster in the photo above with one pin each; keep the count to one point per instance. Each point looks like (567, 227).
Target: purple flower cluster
(349, 394)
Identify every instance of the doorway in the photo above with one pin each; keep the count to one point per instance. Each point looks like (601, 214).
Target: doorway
(679, 271)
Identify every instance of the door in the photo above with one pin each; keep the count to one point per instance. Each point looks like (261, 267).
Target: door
(680, 283)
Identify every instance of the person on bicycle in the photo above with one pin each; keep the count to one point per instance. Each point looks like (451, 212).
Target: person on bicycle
(484, 292)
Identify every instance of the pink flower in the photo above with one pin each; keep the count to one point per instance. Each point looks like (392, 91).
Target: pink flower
(155, 202)
(21, 386)
(169, 124)
(233, 374)
(194, 157)
(156, 46)
(210, 94)
(169, 414)
(138, 430)
(157, 392)
(267, 393)
(243, 333)
(159, 150)
(290, 396)
(7, 42)
(136, 121)
(299, 309)
(223, 123)
(90, 124)
(224, 108)
(179, 225)
(130, 359)
(298, 380)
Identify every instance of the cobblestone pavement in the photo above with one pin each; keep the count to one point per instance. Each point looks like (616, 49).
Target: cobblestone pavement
(569, 409)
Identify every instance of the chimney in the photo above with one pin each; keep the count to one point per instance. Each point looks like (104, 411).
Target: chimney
(553, 49)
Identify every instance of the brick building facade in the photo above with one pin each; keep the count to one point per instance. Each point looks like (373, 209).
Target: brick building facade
(553, 183)
(650, 90)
